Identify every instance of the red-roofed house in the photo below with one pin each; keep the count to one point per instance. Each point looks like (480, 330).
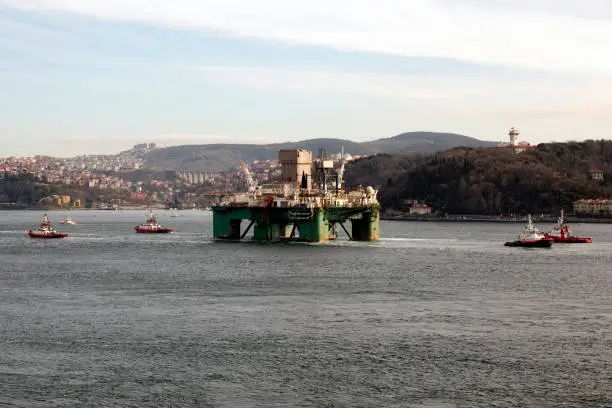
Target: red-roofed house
(595, 207)
(420, 209)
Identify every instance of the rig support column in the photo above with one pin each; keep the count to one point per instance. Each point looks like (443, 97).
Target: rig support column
(316, 229)
(221, 225)
(367, 227)
(226, 223)
(267, 232)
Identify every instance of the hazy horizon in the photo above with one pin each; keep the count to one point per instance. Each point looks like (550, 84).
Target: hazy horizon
(97, 77)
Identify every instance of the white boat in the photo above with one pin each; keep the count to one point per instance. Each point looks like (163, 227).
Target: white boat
(562, 233)
(151, 226)
(531, 237)
(68, 220)
(46, 231)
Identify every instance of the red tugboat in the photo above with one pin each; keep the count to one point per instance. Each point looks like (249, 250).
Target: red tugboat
(152, 227)
(46, 231)
(562, 234)
(531, 237)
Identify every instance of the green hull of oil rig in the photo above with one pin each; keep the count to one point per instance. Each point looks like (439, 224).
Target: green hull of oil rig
(309, 204)
(298, 224)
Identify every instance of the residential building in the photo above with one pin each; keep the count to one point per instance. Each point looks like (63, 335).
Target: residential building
(420, 209)
(597, 174)
(593, 207)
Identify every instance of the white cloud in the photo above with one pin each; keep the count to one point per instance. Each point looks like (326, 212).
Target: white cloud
(529, 34)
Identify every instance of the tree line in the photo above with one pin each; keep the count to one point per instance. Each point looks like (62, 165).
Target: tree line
(23, 189)
(493, 180)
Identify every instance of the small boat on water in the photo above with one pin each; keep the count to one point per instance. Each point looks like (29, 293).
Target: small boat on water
(46, 231)
(562, 234)
(152, 226)
(531, 237)
(68, 220)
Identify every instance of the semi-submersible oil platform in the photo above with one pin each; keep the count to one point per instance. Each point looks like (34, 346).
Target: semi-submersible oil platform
(306, 205)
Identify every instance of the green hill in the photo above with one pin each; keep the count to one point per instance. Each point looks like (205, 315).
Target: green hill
(424, 142)
(217, 157)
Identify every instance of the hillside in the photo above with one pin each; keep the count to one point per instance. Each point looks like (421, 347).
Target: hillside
(492, 180)
(146, 175)
(23, 190)
(216, 157)
(27, 191)
(424, 142)
(381, 169)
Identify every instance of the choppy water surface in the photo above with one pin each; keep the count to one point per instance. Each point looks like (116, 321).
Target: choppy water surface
(433, 315)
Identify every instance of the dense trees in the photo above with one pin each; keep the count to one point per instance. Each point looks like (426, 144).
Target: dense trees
(382, 168)
(25, 190)
(22, 189)
(491, 180)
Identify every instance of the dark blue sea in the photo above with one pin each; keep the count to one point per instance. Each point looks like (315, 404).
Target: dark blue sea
(432, 315)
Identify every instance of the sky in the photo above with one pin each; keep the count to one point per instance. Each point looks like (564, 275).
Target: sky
(97, 76)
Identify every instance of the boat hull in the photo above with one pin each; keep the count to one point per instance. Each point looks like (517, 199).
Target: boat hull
(537, 243)
(32, 234)
(153, 231)
(571, 240)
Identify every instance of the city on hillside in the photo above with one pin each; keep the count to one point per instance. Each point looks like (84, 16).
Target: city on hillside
(125, 180)
(122, 181)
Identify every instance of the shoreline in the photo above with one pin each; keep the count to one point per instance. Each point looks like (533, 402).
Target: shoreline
(451, 218)
(87, 209)
(574, 220)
